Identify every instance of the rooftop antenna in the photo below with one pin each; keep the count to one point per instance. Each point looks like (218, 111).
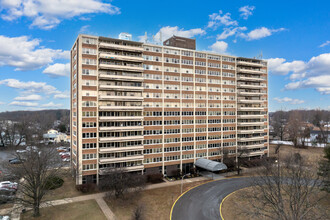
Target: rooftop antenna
(145, 37)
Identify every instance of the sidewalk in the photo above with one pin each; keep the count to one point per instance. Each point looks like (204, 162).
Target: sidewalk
(99, 198)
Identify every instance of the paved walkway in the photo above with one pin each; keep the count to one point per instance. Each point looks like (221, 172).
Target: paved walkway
(99, 198)
(105, 209)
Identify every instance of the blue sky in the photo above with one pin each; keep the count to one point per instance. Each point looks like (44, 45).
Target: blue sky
(294, 36)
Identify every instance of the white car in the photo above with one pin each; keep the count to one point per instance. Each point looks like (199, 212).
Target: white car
(66, 159)
(31, 148)
(8, 185)
(64, 153)
(21, 151)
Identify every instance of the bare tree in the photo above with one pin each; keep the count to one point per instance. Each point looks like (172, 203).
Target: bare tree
(305, 133)
(279, 123)
(322, 123)
(12, 134)
(288, 190)
(294, 127)
(34, 176)
(138, 212)
(241, 154)
(118, 182)
(324, 169)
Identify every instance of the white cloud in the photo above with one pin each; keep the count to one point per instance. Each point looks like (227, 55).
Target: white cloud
(218, 19)
(2, 103)
(325, 43)
(246, 11)
(311, 74)
(318, 65)
(260, 33)
(168, 32)
(289, 100)
(51, 105)
(25, 104)
(32, 97)
(227, 32)
(219, 47)
(26, 54)
(30, 86)
(63, 95)
(58, 69)
(280, 67)
(320, 83)
(48, 14)
(84, 29)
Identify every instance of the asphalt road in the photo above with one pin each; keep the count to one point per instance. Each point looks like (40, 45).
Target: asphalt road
(203, 202)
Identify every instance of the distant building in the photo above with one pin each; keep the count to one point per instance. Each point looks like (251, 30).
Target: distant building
(125, 36)
(55, 136)
(181, 42)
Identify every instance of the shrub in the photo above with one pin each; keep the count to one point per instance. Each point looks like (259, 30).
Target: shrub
(86, 188)
(155, 178)
(54, 182)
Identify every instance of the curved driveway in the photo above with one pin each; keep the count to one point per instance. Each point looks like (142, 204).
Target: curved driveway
(203, 202)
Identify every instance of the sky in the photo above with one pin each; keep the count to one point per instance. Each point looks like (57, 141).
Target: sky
(293, 36)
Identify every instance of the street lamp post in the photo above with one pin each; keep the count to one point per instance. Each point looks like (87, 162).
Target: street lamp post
(182, 180)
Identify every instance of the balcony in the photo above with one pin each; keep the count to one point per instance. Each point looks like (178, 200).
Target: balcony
(128, 169)
(123, 128)
(120, 149)
(251, 71)
(121, 98)
(259, 123)
(120, 57)
(251, 93)
(121, 67)
(137, 78)
(252, 146)
(120, 159)
(250, 101)
(250, 86)
(120, 47)
(261, 138)
(246, 63)
(251, 108)
(250, 116)
(115, 87)
(245, 78)
(252, 131)
(126, 118)
(120, 108)
(119, 139)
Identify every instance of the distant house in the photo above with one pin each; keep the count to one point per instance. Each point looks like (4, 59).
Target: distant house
(55, 136)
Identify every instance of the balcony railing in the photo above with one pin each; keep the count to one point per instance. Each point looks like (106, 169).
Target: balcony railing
(120, 47)
(120, 108)
(111, 56)
(246, 63)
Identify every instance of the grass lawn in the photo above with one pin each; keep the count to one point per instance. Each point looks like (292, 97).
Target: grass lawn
(84, 210)
(65, 191)
(232, 206)
(157, 203)
(312, 154)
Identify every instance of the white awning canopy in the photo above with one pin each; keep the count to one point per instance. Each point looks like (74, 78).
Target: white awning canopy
(210, 165)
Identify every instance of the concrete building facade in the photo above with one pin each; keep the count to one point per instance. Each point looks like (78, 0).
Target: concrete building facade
(156, 109)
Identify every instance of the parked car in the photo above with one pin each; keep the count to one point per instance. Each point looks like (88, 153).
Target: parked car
(8, 185)
(21, 151)
(66, 159)
(61, 149)
(31, 148)
(65, 156)
(64, 153)
(16, 161)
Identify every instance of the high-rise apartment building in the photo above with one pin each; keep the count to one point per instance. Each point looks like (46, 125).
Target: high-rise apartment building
(156, 109)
